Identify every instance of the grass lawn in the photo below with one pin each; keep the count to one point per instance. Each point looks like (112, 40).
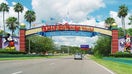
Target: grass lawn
(118, 68)
(126, 58)
(26, 58)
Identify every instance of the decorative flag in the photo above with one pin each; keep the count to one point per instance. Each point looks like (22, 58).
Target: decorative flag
(88, 18)
(97, 21)
(52, 18)
(43, 21)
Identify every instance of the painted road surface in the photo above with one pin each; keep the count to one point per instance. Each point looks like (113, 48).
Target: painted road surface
(66, 65)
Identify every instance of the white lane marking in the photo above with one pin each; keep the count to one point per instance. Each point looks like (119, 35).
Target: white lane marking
(104, 68)
(51, 63)
(49, 60)
(19, 72)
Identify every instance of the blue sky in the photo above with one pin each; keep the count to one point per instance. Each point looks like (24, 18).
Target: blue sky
(76, 10)
(110, 5)
(26, 3)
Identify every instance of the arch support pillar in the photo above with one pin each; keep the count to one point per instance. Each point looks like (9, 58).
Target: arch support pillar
(114, 42)
(22, 40)
(0, 41)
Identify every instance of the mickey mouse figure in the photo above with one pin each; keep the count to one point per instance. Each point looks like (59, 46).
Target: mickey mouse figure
(127, 42)
(9, 40)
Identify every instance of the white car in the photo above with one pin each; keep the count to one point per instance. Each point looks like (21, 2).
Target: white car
(78, 56)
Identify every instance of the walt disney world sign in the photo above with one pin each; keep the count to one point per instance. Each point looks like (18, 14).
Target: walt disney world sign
(61, 27)
(68, 27)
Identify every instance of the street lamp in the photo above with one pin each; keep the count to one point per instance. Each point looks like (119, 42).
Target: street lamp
(68, 50)
(29, 47)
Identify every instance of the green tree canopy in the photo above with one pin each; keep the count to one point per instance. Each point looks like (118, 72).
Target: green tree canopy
(72, 49)
(30, 16)
(103, 46)
(39, 44)
(12, 24)
(122, 13)
(129, 31)
(120, 32)
(109, 21)
(18, 8)
(123, 10)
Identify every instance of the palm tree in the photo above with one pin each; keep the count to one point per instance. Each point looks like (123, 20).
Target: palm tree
(4, 8)
(130, 18)
(122, 13)
(30, 16)
(109, 21)
(18, 8)
(12, 24)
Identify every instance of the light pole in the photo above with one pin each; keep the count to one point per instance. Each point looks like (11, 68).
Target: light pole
(68, 50)
(29, 47)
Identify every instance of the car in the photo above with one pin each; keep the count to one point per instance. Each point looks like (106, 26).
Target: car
(78, 56)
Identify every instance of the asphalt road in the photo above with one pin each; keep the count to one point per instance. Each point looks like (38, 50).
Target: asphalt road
(65, 65)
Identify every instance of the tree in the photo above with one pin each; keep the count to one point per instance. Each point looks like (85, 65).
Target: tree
(39, 44)
(12, 24)
(120, 32)
(130, 18)
(129, 31)
(4, 8)
(109, 21)
(102, 46)
(122, 13)
(18, 8)
(64, 48)
(30, 16)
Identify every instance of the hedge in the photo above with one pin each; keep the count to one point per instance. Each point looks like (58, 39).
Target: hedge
(121, 54)
(5, 51)
(19, 55)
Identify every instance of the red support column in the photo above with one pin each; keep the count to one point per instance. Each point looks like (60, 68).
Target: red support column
(114, 41)
(1, 41)
(22, 40)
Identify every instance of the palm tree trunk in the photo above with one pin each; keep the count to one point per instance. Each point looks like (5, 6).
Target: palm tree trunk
(18, 18)
(123, 25)
(18, 23)
(12, 33)
(12, 30)
(30, 25)
(4, 22)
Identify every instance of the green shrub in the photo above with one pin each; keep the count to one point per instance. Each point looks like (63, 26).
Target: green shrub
(97, 54)
(19, 55)
(121, 54)
(5, 51)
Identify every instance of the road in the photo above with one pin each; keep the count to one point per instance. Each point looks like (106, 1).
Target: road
(66, 65)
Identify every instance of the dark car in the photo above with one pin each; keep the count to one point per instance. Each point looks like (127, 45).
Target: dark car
(78, 56)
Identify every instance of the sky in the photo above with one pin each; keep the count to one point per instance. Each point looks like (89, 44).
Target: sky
(82, 12)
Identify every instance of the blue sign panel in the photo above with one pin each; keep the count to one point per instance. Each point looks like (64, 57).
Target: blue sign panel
(68, 33)
(84, 46)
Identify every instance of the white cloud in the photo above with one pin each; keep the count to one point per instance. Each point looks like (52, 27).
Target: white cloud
(3, 1)
(113, 14)
(92, 22)
(118, 20)
(74, 40)
(77, 41)
(77, 9)
(13, 3)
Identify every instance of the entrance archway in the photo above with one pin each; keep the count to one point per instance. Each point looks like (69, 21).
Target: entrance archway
(69, 29)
